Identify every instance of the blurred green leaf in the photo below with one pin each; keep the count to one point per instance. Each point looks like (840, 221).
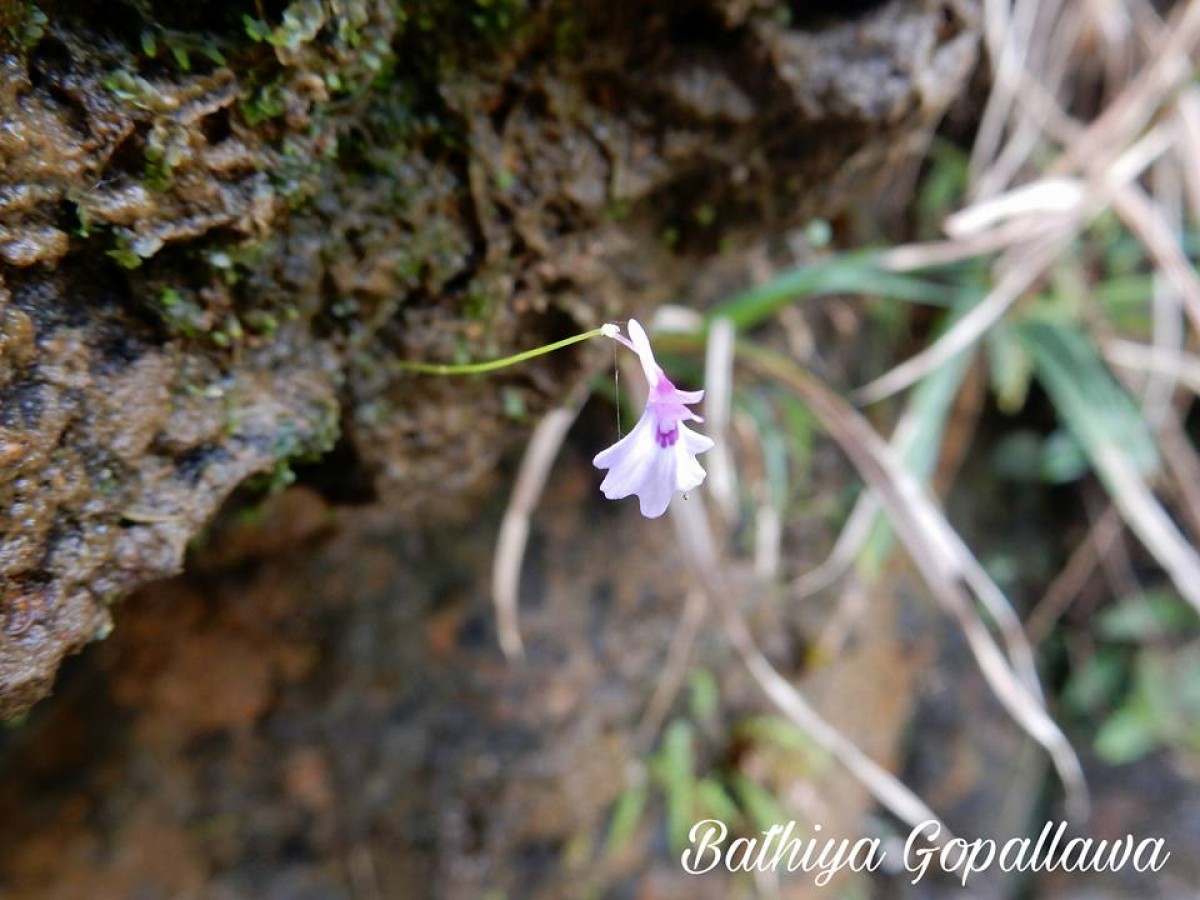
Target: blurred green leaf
(801, 430)
(775, 443)
(761, 807)
(929, 408)
(1062, 460)
(851, 273)
(675, 767)
(1126, 302)
(1009, 366)
(705, 696)
(1097, 683)
(1092, 405)
(1017, 456)
(783, 734)
(1168, 684)
(942, 188)
(1151, 616)
(715, 801)
(1126, 736)
(627, 816)
(1162, 709)
(1154, 694)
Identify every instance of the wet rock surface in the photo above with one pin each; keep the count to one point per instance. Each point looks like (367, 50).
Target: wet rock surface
(220, 224)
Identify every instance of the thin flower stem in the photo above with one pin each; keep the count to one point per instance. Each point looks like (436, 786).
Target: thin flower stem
(494, 364)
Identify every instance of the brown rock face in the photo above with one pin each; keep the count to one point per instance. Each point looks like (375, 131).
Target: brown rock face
(221, 222)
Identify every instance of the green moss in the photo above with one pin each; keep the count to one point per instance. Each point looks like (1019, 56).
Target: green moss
(187, 318)
(105, 484)
(296, 443)
(262, 322)
(439, 34)
(479, 303)
(281, 476)
(123, 253)
(22, 24)
(514, 404)
(136, 90)
(268, 101)
(180, 47)
(15, 723)
(338, 44)
(503, 179)
(705, 215)
(618, 210)
(182, 314)
(569, 37)
(497, 17)
(235, 262)
(159, 173)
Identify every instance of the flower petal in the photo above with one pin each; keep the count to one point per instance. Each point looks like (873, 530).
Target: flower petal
(641, 346)
(629, 460)
(688, 471)
(659, 484)
(693, 442)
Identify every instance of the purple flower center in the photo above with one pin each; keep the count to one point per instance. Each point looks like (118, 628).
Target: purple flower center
(668, 438)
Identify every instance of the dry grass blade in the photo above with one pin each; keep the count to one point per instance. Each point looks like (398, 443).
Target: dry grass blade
(1048, 196)
(1069, 582)
(1130, 112)
(1149, 521)
(1040, 116)
(718, 406)
(1035, 44)
(700, 550)
(1170, 327)
(932, 254)
(1012, 633)
(1181, 368)
(544, 444)
(1024, 263)
(1109, 24)
(1147, 222)
(1027, 263)
(674, 670)
(1187, 111)
(926, 535)
(1179, 453)
(853, 536)
(768, 540)
(1112, 433)
(859, 524)
(1008, 29)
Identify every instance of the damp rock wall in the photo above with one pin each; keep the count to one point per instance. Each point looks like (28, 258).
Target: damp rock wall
(222, 222)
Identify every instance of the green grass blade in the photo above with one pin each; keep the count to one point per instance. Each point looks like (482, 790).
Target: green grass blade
(851, 273)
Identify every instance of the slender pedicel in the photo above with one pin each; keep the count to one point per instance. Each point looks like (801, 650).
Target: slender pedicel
(492, 365)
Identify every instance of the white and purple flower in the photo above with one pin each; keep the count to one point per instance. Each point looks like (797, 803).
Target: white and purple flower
(658, 457)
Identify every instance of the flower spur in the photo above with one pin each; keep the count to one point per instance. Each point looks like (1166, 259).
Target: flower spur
(658, 457)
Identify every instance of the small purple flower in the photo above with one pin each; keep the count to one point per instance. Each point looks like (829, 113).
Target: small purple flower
(658, 457)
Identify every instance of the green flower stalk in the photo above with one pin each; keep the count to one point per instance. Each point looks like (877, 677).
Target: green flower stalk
(493, 365)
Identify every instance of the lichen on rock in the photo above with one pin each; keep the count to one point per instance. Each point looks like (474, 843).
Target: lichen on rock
(220, 222)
